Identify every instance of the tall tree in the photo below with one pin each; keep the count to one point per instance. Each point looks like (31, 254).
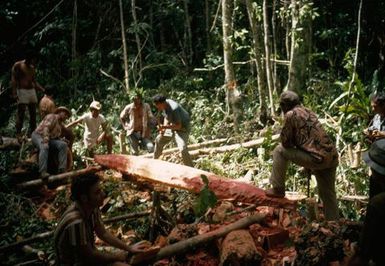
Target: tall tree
(269, 73)
(125, 60)
(232, 92)
(138, 43)
(258, 56)
(300, 44)
(187, 34)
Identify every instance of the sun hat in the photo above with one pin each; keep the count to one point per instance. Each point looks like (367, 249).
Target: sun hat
(95, 105)
(64, 109)
(375, 156)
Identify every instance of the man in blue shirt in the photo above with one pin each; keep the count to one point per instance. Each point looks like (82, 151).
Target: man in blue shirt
(176, 125)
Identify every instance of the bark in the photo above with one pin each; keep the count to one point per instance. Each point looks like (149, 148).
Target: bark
(58, 178)
(190, 147)
(48, 234)
(125, 60)
(238, 248)
(232, 92)
(188, 244)
(258, 54)
(189, 178)
(300, 47)
(269, 75)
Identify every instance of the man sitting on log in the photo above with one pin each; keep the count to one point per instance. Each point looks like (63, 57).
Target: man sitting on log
(47, 136)
(176, 125)
(305, 143)
(135, 119)
(74, 236)
(94, 121)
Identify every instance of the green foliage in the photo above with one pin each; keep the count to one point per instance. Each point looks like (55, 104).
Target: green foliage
(205, 200)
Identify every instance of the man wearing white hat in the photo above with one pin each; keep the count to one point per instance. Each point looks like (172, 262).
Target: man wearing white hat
(96, 128)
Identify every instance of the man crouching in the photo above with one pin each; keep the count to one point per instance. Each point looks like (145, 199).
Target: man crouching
(75, 234)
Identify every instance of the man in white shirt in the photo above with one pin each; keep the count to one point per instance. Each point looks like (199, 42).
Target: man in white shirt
(96, 129)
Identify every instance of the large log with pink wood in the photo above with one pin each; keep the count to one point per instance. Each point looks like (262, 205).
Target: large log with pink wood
(189, 178)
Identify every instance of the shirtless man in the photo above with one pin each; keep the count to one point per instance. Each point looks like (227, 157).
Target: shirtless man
(24, 88)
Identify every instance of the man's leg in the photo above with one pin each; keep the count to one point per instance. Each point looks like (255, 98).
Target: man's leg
(109, 141)
(148, 144)
(181, 139)
(32, 117)
(37, 140)
(160, 141)
(281, 158)
(21, 107)
(327, 191)
(61, 147)
(133, 140)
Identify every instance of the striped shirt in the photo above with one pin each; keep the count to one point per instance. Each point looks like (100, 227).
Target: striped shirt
(74, 230)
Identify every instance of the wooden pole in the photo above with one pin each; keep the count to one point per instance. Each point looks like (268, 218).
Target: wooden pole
(59, 177)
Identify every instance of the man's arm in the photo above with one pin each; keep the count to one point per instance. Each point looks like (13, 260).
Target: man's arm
(14, 79)
(123, 116)
(95, 256)
(287, 133)
(74, 123)
(112, 240)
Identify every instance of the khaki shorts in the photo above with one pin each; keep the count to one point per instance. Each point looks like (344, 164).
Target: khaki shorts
(26, 96)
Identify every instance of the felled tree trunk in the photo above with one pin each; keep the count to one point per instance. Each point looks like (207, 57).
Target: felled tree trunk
(189, 178)
(188, 244)
(238, 248)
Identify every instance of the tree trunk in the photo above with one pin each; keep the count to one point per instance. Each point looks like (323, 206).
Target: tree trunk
(137, 40)
(207, 26)
(275, 52)
(269, 76)
(125, 60)
(188, 244)
(300, 47)
(232, 92)
(258, 54)
(238, 248)
(188, 178)
(188, 34)
(74, 69)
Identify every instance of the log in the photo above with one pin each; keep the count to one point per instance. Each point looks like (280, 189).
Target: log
(196, 152)
(188, 244)
(232, 147)
(56, 178)
(48, 234)
(9, 143)
(189, 178)
(190, 147)
(238, 248)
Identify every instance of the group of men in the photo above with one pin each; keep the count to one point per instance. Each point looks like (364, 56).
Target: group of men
(136, 119)
(303, 142)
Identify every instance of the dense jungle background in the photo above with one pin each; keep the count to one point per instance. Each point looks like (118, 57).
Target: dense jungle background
(225, 61)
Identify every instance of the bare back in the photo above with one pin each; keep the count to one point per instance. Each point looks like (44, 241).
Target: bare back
(23, 75)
